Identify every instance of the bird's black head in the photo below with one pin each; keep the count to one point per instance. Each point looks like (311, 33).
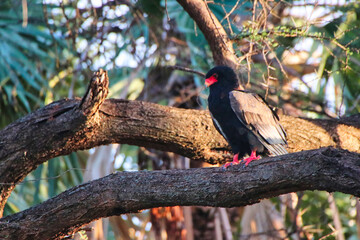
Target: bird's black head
(222, 76)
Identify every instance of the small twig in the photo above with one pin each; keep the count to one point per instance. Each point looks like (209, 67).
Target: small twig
(342, 99)
(211, 14)
(327, 235)
(227, 19)
(268, 72)
(25, 13)
(231, 11)
(225, 223)
(338, 231)
(71, 33)
(278, 60)
(266, 233)
(45, 179)
(185, 69)
(52, 36)
(166, 10)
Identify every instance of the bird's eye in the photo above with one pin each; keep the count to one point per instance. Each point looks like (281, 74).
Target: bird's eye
(215, 75)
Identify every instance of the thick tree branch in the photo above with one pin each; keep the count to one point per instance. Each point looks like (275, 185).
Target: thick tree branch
(67, 126)
(219, 42)
(326, 169)
(24, 144)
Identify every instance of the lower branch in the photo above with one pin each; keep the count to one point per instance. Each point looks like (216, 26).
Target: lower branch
(326, 169)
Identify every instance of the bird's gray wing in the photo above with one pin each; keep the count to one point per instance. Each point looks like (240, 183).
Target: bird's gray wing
(256, 115)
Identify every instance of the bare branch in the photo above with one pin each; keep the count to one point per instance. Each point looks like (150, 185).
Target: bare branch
(125, 192)
(215, 34)
(185, 69)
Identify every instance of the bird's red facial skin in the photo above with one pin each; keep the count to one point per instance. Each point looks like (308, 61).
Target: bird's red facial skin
(210, 81)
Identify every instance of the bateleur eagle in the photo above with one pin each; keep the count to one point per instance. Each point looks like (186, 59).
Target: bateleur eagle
(243, 118)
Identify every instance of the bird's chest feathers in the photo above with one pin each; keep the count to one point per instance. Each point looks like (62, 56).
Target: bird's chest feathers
(219, 97)
(223, 95)
(219, 104)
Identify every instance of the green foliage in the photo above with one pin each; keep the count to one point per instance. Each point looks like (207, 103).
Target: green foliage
(29, 54)
(48, 180)
(340, 60)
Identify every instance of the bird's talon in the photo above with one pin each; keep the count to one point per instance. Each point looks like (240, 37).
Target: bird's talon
(227, 165)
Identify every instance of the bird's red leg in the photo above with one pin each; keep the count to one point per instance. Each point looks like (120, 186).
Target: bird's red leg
(234, 162)
(252, 157)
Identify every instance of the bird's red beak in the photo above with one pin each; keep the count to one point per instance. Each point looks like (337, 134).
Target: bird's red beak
(210, 81)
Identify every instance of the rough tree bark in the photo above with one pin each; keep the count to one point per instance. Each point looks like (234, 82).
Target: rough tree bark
(219, 42)
(125, 192)
(69, 125)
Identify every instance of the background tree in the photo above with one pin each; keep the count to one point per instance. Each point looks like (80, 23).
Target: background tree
(302, 57)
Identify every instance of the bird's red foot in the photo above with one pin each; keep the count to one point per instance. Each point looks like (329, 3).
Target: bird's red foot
(251, 158)
(234, 162)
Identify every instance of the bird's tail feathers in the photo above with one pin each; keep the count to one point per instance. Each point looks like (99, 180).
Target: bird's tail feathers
(276, 149)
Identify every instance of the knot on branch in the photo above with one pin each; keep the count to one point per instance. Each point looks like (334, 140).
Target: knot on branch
(96, 93)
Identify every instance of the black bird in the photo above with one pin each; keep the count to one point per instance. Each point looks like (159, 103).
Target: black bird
(244, 119)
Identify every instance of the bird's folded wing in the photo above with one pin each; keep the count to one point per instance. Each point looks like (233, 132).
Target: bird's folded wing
(257, 116)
